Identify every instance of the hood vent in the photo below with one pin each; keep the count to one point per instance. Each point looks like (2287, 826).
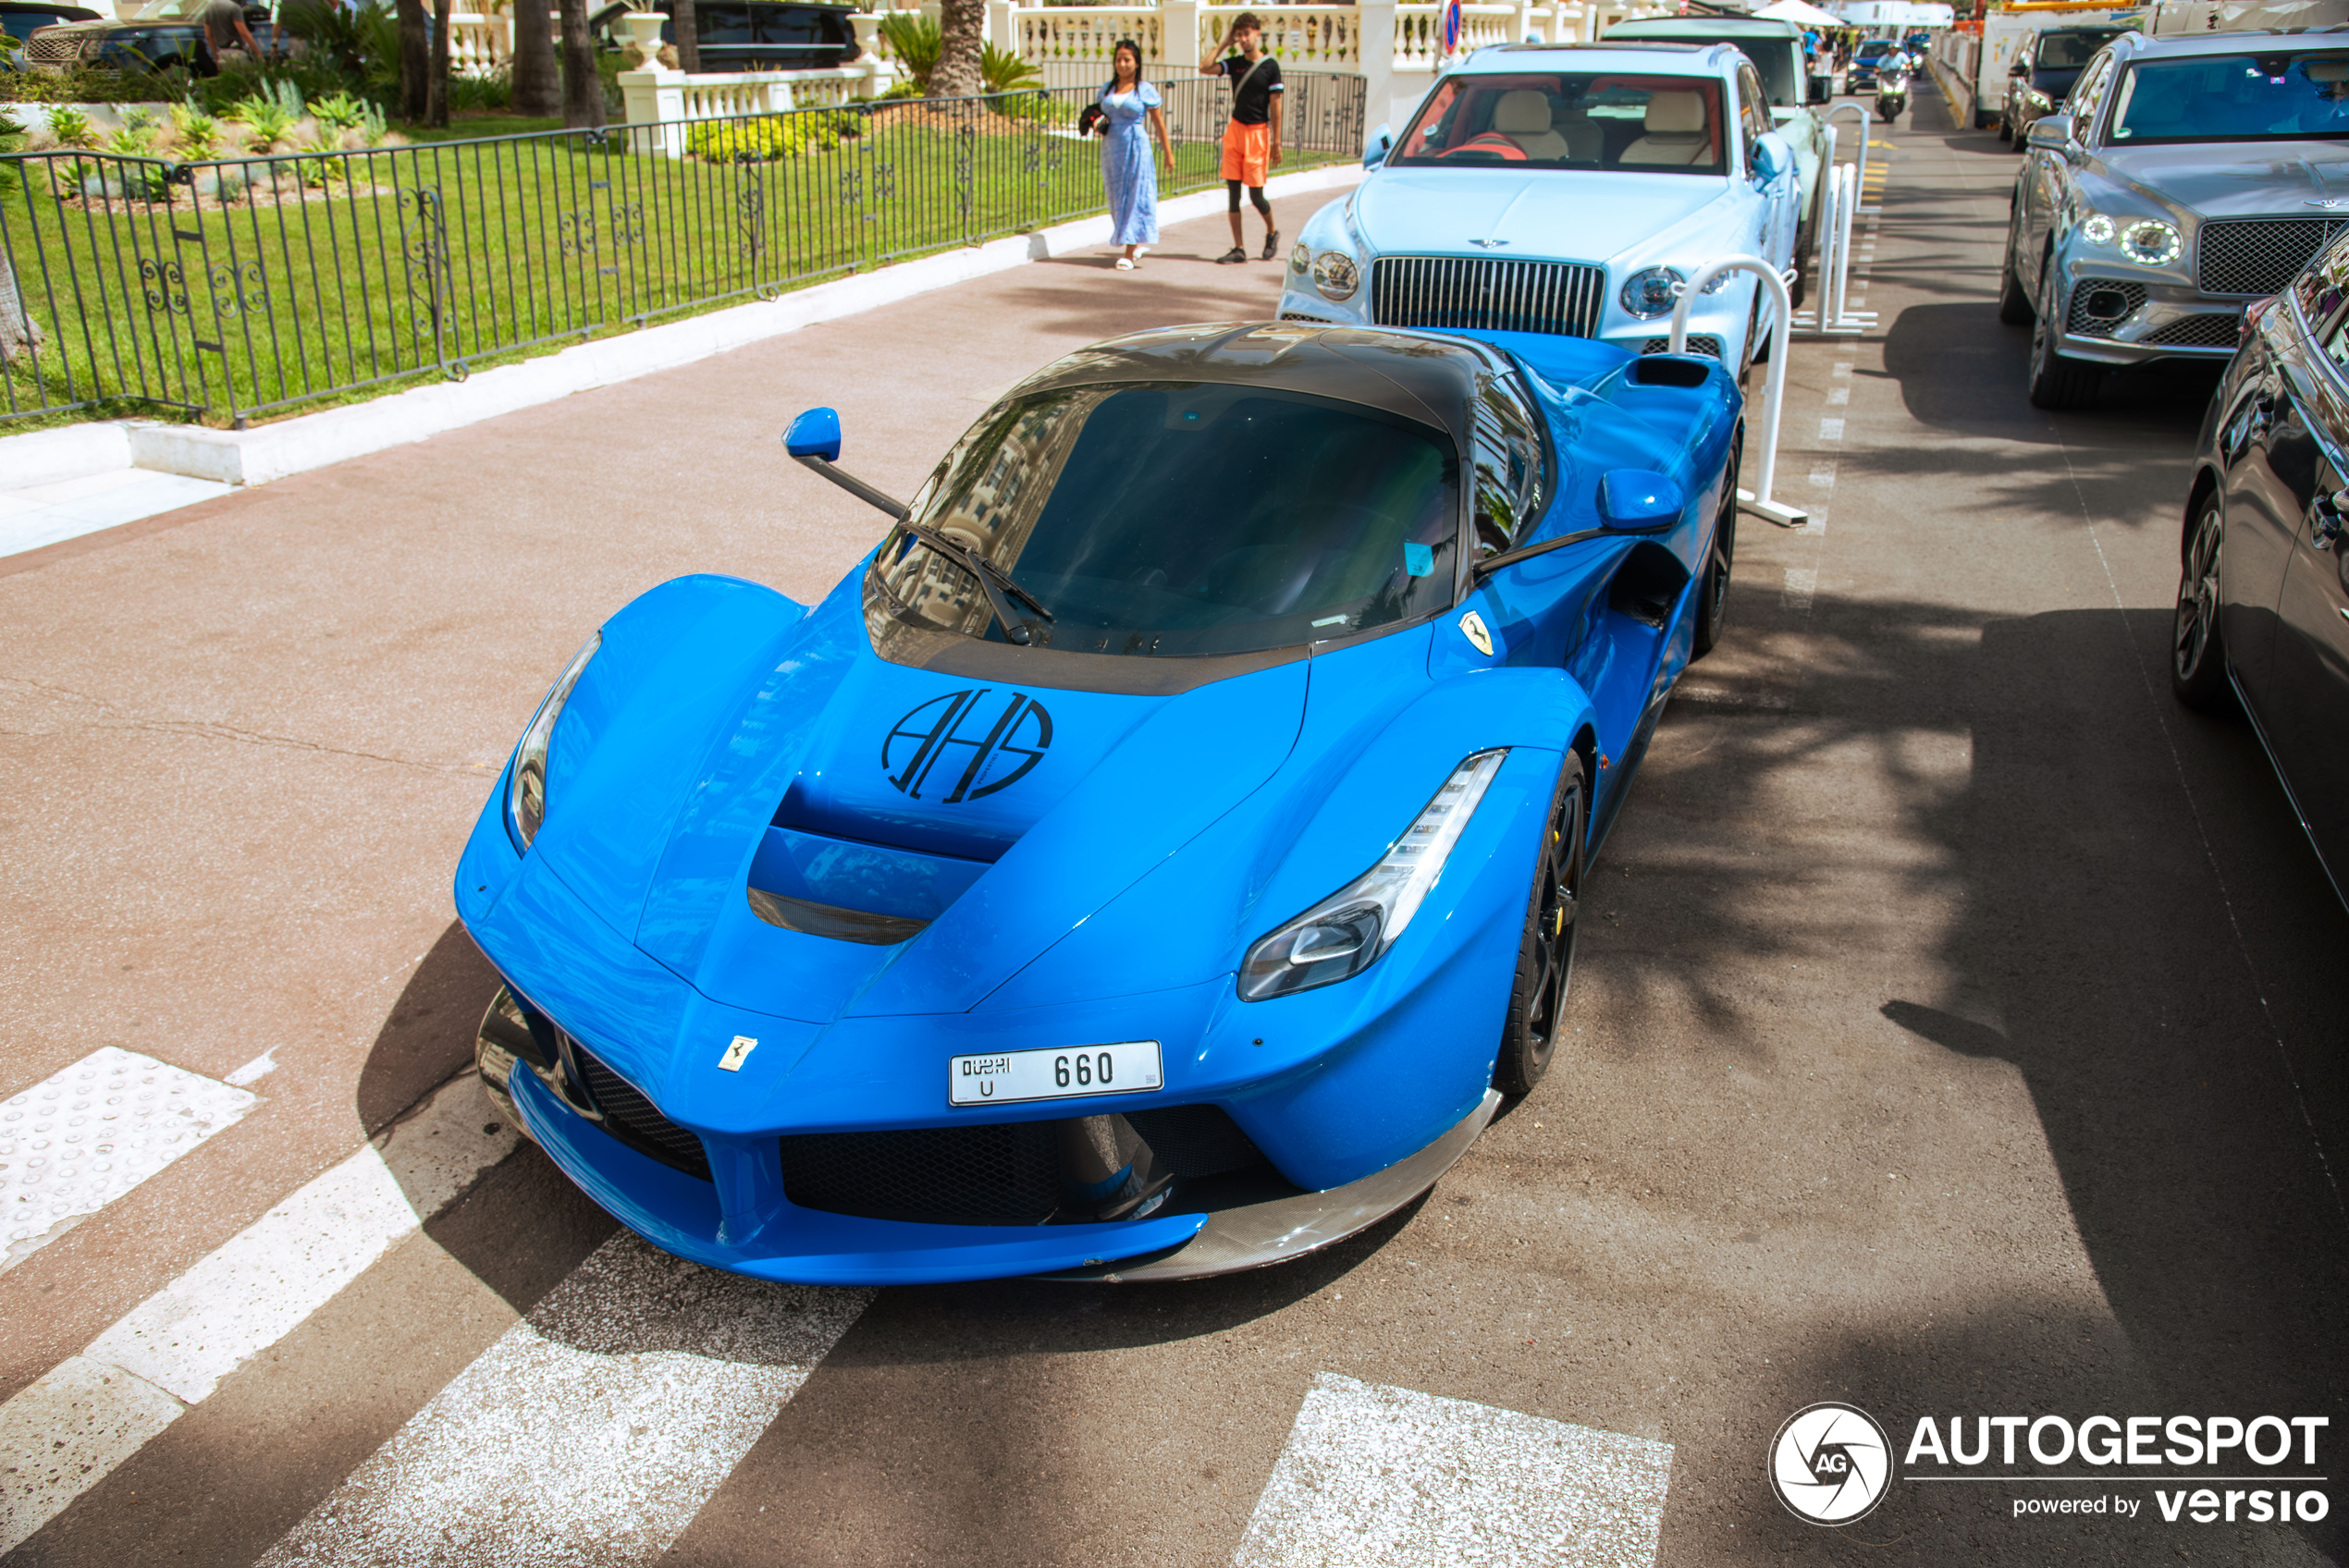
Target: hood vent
(848, 890)
(829, 920)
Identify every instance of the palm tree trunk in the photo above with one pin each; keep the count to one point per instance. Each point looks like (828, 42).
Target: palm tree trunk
(688, 30)
(583, 86)
(537, 90)
(416, 62)
(963, 25)
(19, 332)
(438, 106)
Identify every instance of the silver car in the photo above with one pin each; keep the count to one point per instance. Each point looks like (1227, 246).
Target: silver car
(2191, 177)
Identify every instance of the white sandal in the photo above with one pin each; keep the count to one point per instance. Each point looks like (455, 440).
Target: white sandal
(1126, 264)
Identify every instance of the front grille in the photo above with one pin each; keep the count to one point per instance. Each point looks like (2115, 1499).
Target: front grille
(996, 1173)
(44, 49)
(1699, 343)
(1485, 294)
(2093, 302)
(1316, 321)
(2198, 331)
(637, 1122)
(2257, 255)
(1003, 1173)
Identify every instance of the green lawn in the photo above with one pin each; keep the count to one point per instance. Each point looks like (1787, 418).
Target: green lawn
(442, 257)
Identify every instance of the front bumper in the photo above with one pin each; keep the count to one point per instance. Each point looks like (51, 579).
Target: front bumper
(1716, 322)
(2113, 320)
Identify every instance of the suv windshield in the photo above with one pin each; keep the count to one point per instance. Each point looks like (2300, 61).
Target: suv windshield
(1611, 119)
(2233, 98)
(1186, 519)
(2071, 48)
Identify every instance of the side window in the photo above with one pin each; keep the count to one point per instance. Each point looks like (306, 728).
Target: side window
(1754, 106)
(1508, 467)
(723, 24)
(2089, 96)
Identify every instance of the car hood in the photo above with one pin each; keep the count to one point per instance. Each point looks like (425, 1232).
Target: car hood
(1569, 214)
(1028, 806)
(2221, 179)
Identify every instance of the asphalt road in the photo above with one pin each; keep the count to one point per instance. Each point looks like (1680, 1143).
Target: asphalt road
(1952, 1031)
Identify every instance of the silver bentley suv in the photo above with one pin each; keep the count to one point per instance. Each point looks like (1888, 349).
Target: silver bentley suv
(2190, 176)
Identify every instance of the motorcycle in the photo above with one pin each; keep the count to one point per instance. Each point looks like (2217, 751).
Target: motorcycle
(1891, 91)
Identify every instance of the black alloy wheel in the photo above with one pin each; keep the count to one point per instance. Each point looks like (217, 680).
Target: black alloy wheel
(1713, 595)
(2056, 382)
(2014, 304)
(2197, 656)
(1545, 954)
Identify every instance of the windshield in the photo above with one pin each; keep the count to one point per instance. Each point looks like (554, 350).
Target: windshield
(1664, 124)
(1874, 47)
(1773, 57)
(2073, 47)
(1187, 518)
(2233, 98)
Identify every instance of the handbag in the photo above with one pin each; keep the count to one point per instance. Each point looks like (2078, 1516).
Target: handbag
(1091, 119)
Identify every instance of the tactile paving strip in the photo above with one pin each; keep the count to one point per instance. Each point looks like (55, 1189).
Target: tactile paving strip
(79, 1139)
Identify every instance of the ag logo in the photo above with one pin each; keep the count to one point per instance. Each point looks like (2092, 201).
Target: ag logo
(1831, 1463)
(983, 744)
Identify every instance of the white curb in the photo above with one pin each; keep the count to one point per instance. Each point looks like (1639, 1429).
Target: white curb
(295, 446)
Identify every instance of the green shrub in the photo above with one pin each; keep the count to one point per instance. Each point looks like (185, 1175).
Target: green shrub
(199, 133)
(915, 42)
(341, 111)
(1004, 71)
(270, 114)
(482, 94)
(136, 141)
(763, 141)
(360, 44)
(81, 84)
(73, 127)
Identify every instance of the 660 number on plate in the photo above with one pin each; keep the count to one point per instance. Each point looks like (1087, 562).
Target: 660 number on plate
(1130, 1066)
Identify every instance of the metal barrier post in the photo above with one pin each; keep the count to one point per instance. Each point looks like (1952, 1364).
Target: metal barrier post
(1861, 110)
(1846, 319)
(1757, 500)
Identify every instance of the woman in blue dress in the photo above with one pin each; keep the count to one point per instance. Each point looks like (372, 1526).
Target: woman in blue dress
(1131, 120)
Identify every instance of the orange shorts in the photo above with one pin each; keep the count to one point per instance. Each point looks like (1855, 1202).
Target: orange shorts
(1248, 153)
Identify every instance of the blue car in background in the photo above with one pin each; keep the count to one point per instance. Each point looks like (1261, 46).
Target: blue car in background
(1159, 857)
(1568, 189)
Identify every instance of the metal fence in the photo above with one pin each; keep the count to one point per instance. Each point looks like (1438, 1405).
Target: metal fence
(230, 289)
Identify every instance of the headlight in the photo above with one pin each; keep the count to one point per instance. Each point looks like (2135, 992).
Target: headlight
(2038, 100)
(1335, 275)
(2098, 230)
(2149, 242)
(526, 789)
(1345, 933)
(1652, 293)
(1299, 258)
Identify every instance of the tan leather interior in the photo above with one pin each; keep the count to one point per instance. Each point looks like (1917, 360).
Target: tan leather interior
(1675, 131)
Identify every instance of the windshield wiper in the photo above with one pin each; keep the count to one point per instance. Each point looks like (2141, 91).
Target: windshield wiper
(993, 581)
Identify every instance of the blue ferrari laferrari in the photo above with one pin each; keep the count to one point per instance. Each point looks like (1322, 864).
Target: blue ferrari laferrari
(1158, 858)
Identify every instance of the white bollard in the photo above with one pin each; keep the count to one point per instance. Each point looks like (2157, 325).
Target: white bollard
(1846, 319)
(1756, 500)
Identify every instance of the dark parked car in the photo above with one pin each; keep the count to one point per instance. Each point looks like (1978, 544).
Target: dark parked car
(2039, 82)
(19, 20)
(748, 35)
(2263, 593)
(162, 40)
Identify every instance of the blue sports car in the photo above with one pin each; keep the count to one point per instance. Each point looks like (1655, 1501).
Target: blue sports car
(1158, 858)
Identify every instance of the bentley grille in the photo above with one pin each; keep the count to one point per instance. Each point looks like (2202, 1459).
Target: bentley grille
(2257, 255)
(1487, 294)
(2198, 331)
(637, 1122)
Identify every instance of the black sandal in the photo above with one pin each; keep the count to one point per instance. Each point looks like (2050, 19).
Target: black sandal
(1234, 254)
(1272, 243)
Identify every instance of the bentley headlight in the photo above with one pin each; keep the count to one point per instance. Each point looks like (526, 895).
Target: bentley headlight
(2098, 230)
(1344, 934)
(527, 785)
(2150, 242)
(1335, 275)
(1652, 293)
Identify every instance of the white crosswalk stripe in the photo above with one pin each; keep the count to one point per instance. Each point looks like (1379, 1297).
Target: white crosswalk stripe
(592, 1432)
(64, 1433)
(1384, 1478)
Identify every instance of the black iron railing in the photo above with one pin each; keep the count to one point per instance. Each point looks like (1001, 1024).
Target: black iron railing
(234, 288)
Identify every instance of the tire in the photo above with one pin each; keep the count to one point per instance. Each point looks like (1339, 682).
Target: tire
(1545, 952)
(2005, 130)
(2014, 305)
(2197, 656)
(1712, 593)
(2056, 382)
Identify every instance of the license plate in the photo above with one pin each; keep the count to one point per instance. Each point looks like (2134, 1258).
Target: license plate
(1125, 1069)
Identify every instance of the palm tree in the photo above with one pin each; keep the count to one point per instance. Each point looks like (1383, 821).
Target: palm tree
(964, 22)
(538, 89)
(583, 86)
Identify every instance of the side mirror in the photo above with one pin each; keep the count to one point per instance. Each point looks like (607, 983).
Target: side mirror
(1771, 159)
(2052, 132)
(1639, 499)
(2020, 68)
(815, 433)
(1381, 142)
(1822, 89)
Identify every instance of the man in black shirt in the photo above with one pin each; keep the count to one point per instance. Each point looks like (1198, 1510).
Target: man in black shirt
(1252, 141)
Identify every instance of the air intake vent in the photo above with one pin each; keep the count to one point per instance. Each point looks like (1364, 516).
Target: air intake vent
(637, 1122)
(2198, 331)
(1483, 294)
